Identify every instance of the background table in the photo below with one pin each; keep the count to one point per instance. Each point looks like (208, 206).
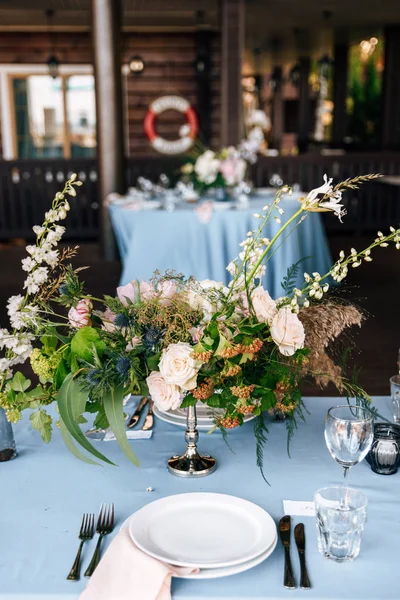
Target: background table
(45, 490)
(178, 240)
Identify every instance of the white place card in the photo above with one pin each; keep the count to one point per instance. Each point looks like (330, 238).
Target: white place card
(298, 508)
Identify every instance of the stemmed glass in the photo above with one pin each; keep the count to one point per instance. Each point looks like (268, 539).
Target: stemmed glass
(349, 434)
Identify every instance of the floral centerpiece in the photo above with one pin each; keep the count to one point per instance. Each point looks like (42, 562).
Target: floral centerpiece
(183, 341)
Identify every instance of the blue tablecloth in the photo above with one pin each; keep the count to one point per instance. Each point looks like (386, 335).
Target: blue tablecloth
(156, 239)
(45, 490)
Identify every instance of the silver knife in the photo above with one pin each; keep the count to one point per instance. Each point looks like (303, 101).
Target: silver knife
(136, 415)
(301, 547)
(149, 420)
(284, 531)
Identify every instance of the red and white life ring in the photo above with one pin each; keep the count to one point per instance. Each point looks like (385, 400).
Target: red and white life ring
(190, 130)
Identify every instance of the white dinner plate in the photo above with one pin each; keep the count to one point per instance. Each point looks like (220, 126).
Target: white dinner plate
(223, 571)
(203, 530)
(204, 420)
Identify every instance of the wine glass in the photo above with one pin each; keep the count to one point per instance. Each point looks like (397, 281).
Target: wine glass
(349, 434)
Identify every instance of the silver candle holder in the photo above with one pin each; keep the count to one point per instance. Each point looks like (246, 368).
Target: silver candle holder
(191, 464)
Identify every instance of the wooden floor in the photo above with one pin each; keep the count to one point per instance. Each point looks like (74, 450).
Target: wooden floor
(374, 286)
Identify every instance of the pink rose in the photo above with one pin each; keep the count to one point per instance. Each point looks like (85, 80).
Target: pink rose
(135, 341)
(165, 396)
(233, 169)
(197, 333)
(147, 292)
(287, 331)
(80, 316)
(264, 306)
(127, 292)
(108, 318)
(168, 291)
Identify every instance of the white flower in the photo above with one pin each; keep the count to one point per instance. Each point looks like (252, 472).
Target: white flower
(233, 168)
(264, 306)
(211, 300)
(38, 229)
(324, 199)
(55, 235)
(4, 365)
(287, 331)
(35, 279)
(258, 118)
(207, 167)
(178, 367)
(165, 396)
(28, 264)
(51, 257)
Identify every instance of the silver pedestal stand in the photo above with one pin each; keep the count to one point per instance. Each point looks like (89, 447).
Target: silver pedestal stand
(191, 464)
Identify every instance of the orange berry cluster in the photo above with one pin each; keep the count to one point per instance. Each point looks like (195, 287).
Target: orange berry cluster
(202, 356)
(245, 409)
(230, 351)
(229, 422)
(242, 391)
(252, 348)
(231, 370)
(204, 390)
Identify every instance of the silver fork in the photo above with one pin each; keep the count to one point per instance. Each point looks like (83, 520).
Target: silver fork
(86, 533)
(105, 525)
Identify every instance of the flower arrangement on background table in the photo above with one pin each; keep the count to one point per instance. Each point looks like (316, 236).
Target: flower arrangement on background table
(181, 340)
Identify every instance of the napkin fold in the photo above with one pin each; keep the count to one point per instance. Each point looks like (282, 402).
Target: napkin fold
(127, 573)
(131, 434)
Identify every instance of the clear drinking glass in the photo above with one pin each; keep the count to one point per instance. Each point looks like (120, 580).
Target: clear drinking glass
(395, 394)
(340, 527)
(349, 434)
(7, 443)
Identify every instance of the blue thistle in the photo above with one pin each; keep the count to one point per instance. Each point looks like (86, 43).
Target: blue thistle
(121, 320)
(151, 337)
(63, 289)
(93, 376)
(122, 367)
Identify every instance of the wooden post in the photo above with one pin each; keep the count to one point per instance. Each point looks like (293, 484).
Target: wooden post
(203, 67)
(304, 104)
(339, 125)
(232, 48)
(391, 90)
(110, 126)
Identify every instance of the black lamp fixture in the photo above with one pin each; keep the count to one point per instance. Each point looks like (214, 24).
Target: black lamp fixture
(136, 65)
(52, 62)
(276, 79)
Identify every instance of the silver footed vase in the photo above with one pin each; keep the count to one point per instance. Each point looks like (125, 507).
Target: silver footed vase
(191, 463)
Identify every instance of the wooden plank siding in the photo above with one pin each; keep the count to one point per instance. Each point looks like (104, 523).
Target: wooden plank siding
(169, 69)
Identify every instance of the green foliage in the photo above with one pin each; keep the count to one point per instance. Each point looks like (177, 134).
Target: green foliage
(41, 421)
(71, 401)
(85, 341)
(289, 281)
(260, 433)
(113, 407)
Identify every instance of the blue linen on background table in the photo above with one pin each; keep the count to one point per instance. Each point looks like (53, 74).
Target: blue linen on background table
(45, 490)
(178, 240)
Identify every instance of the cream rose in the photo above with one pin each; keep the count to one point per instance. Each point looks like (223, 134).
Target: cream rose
(80, 316)
(165, 396)
(264, 306)
(178, 367)
(287, 331)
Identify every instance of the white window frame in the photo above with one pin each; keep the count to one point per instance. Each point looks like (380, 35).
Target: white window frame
(6, 96)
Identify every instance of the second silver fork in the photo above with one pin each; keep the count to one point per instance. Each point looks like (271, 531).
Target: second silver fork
(86, 533)
(105, 525)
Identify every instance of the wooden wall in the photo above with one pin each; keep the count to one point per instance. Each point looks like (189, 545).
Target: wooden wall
(169, 69)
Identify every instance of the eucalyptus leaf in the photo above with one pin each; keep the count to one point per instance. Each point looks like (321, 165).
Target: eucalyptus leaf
(188, 400)
(113, 406)
(152, 361)
(71, 401)
(69, 442)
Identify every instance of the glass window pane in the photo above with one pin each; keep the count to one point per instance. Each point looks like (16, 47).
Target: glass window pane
(81, 113)
(39, 116)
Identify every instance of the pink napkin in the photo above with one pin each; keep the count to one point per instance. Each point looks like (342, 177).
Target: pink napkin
(204, 211)
(127, 573)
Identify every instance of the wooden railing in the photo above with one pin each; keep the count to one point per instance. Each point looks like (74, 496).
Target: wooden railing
(27, 188)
